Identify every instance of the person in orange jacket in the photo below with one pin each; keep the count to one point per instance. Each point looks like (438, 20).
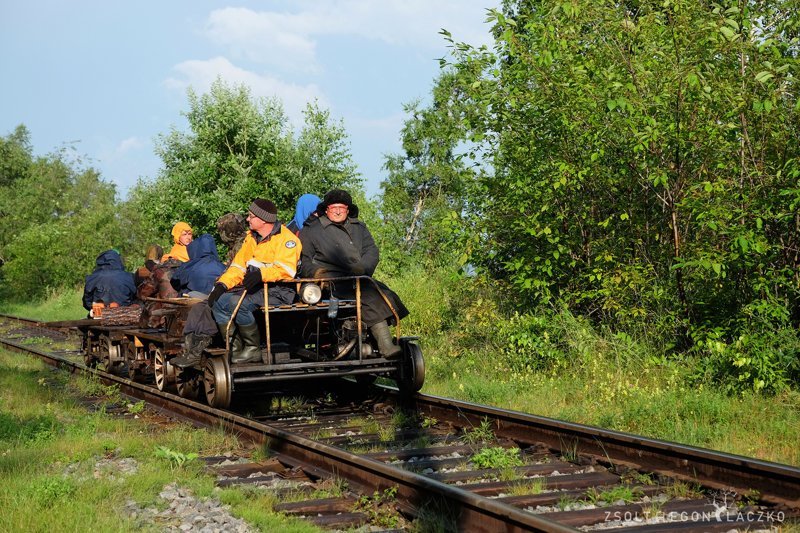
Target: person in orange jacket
(182, 235)
(270, 252)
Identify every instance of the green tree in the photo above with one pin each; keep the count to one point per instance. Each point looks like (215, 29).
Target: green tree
(58, 218)
(643, 164)
(15, 155)
(425, 193)
(238, 148)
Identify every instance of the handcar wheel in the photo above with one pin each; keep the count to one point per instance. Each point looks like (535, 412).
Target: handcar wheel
(110, 355)
(89, 346)
(188, 383)
(140, 363)
(163, 371)
(412, 375)
(217, 382)
(134, 374)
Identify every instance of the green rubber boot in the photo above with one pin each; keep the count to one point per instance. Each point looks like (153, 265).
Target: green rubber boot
(251, 345)
(386, 346)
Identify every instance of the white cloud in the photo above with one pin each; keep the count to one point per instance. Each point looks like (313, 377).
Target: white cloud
(271, 38)
(109, 152)
(131, 143)
(289, 40)
(200, 75)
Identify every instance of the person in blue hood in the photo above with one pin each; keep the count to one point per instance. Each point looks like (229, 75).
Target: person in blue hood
(306, 208)
(203, 268)
(109, 283)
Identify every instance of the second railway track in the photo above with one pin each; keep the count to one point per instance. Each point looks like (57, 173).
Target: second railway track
(426, 454)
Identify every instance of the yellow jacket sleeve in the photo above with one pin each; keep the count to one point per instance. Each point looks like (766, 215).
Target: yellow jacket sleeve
(276, 258)
(235, 273)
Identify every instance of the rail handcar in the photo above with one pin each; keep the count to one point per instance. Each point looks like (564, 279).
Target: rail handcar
(315, 338)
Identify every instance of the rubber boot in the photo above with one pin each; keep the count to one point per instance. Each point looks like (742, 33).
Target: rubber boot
(251, 345)
(236, 340)
(386, 346)
(193, 346)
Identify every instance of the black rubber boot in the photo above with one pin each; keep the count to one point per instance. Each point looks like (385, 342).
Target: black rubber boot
(193, 346)
(386, 346)
(251, 345)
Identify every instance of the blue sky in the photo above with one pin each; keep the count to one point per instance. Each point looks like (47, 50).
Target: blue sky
(107, 77)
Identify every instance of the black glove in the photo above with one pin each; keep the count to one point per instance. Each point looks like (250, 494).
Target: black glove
(252, 281)
(216, 292)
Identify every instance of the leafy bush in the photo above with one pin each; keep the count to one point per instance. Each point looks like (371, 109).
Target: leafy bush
(481, 433)
(236, 148)
(525, 341)
(427, 301)
(759, 361)
(497, 458)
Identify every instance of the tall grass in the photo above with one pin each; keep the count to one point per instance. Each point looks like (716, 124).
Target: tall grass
(60, 304)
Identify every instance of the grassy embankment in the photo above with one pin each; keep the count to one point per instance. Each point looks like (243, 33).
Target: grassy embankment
(622, 383)
(58, 460)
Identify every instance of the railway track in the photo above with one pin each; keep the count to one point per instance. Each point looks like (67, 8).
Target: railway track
(468, 467)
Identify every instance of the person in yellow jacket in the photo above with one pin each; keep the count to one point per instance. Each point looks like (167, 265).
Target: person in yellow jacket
(182, 235)
(270, 252)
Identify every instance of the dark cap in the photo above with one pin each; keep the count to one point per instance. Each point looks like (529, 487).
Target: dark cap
(264, 209)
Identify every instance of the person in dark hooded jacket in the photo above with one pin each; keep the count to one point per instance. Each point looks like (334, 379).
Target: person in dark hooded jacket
(109, 283)
(338, 244)
(202, 269)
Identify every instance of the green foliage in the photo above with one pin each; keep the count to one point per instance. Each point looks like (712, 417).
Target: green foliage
(761, 361)
(37, 429)
(48, 492)
(56, 218)
(619, 493)
(58, 304)
(528, 486)
(497, 457)
(136, 408)
(525, 342)
(236, 149)
(92, 386)
(425, 193)
(637, 162)
(430, 302)
(15, 155)
(175, 459)
(379, 508)
(429, 422)
(481, 433)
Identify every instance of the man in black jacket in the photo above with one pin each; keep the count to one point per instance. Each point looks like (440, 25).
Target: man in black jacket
(337, 244)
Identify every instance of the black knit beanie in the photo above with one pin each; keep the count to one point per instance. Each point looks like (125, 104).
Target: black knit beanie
(264, 209)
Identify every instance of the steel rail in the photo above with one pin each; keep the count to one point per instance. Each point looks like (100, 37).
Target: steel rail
(472, 512)
(21, 319)
(776, 483)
